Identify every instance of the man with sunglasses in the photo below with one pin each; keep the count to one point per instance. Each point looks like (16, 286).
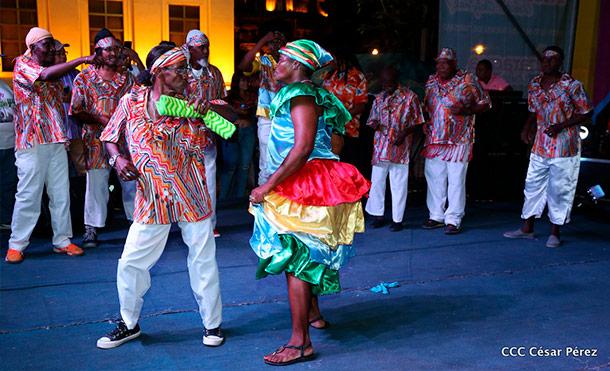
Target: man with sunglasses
(205, 82)
(97, 91)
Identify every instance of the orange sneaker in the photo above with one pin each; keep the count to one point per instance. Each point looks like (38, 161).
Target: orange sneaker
(71, 250)
(13, 256)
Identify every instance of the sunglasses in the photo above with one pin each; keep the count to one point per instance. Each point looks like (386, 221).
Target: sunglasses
(180, 71)
(112, 49)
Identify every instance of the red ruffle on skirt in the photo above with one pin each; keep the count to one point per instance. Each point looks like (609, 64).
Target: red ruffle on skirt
(324, 183)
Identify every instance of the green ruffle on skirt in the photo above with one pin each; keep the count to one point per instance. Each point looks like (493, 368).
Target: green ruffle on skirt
(294, 258)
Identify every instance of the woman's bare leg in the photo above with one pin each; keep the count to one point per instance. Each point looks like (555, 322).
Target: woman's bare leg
(299, 296)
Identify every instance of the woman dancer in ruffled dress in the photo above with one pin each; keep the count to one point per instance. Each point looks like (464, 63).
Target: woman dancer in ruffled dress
(307, 212)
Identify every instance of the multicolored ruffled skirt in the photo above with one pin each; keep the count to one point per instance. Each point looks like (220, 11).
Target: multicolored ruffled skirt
(306, 225)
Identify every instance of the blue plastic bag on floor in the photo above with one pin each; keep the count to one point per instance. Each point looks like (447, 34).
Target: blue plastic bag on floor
(384, 286)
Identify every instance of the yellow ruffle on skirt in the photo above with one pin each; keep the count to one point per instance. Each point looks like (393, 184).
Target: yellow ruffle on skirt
(333, 225)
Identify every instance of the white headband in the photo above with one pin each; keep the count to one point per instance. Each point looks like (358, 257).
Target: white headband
(550, 53)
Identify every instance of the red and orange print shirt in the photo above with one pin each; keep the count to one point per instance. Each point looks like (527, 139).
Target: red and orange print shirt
(94, 95)
(169, 155)
(350, 88)
(39, 112)
(450, 136)
(394, 112)
(554, 106)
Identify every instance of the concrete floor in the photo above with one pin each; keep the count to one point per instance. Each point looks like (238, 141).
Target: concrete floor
(461, 300)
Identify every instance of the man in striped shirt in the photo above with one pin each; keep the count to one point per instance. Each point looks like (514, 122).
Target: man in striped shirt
(558, 105)
(40, 145)
(453, 97)
(96, 94)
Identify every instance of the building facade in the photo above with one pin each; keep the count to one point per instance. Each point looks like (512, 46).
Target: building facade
(143, 22)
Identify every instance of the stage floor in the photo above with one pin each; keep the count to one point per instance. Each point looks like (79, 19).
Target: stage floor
(461, 300)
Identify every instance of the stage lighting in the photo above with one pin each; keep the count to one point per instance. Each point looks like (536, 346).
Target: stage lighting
(479, 49)
(584, 132)
(270, 5)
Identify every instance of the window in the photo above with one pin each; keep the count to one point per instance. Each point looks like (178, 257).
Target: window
(105, 13)
(16, 19)
(182, 19)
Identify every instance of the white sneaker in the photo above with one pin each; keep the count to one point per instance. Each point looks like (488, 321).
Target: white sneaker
(553, 241)
(213, 337)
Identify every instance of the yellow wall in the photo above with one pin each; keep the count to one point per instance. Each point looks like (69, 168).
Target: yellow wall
(145, 22)
(585, 46)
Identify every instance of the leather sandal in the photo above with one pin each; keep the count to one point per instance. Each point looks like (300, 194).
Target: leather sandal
(432, 224)
(302, 357)
(319, 318)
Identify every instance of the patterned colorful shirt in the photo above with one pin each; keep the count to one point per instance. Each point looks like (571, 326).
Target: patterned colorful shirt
(350, 90)
(554, 106)
(39, 112)
(395, 112)
(269, 86)
(209, 85)
(169, 155)
(449, 136)
(96, 96)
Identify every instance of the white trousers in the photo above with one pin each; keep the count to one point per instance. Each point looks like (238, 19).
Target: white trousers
(264, 129)
(143, 248)
(399, 185)
(552, 182)
(37, 167)
(128, 192)
(96, 197)
(446, 182)
(210, 177)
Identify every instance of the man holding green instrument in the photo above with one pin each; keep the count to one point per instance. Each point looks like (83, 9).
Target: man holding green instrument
(167, 160)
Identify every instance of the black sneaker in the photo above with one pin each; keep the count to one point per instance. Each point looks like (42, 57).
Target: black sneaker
(378, 222)
(396, 227)
(121, 334)
(90, 237)
(213, 337)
